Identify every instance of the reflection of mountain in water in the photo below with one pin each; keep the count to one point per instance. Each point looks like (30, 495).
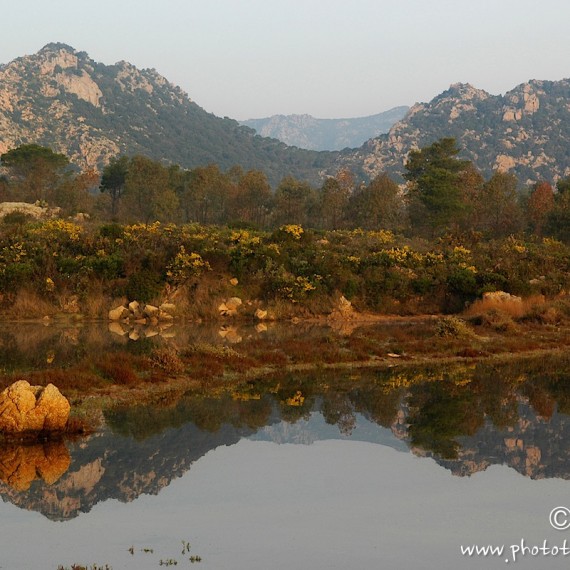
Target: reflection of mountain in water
(535, 447)
(315, 428)
(151, 447)
(107, 466)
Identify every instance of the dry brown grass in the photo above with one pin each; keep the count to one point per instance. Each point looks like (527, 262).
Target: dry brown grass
(119, 368)
(166, 359)
(200, 303)
(97, 304)
(67, 380)
(513, 308)
(28, 304)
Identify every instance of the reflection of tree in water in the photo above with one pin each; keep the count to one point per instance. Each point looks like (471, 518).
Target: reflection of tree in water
(435, 407)
(466, 418)
(376, 403)
(441, 412)
(208, 414)
(337, 409)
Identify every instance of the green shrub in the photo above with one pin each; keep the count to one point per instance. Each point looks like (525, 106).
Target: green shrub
(143, 286)
(106, 266)
(452, 327)
(112, 231)
(16, 275)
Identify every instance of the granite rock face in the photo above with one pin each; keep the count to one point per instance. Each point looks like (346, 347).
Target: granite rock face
(26, 408)
(524, 131)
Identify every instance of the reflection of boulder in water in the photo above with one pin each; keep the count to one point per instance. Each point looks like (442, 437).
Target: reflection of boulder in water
(20, 465)
(106, 467)
(231, 334)
(136, 331)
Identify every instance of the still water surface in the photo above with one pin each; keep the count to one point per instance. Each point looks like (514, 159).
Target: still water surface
(380, 474)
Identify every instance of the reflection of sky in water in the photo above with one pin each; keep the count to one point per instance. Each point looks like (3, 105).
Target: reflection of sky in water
(246, 497)
(332, 504)
(307, 431)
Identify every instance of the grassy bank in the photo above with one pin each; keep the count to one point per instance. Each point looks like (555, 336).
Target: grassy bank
(343, 279)
(53, 267)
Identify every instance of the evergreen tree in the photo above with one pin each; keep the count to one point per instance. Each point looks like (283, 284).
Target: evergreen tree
(35, 171)
(434, 175)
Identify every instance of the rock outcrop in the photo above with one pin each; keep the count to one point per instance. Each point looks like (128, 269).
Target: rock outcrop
(139, 320)
(524, 131)
(92, 112)
(32, 210)
(26, 408)
(501, 297)
(230, 307)
(141, 313)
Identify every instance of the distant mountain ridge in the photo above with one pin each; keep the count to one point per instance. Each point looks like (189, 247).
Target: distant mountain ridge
(306, 131)
(61, 98)
(525, 131)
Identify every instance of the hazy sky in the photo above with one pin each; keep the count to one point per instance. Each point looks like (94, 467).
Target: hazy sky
(329, 58)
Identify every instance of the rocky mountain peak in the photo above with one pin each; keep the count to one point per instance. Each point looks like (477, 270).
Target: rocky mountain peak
(59, 97)
(466, 91)
(308, 132)
(54, 47)
(525, 131)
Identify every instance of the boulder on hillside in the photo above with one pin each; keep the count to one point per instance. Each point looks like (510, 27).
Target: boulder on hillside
(135, 309)
(501, 297)
(118, 313)
(34, 211)
(141, 313)
(260, 314)
(26, 408)
(230, 307)
(151, 311)
(169, 308)
(233, 303)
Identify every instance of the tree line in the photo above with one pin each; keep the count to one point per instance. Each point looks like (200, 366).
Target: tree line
(442, 193)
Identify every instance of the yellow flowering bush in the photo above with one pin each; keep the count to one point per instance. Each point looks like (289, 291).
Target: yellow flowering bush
(135, 232)
(293, 230)
(297, 400)
(186, 266)
(56, 230)
(382, 236)
(512, 244)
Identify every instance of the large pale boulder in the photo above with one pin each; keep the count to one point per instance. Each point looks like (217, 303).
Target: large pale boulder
(33, 210)
(501, 297)
(32, 408)
(135, 310)
(151, 311)
(118, 313)
(260, 314)
(225, 311)
(169, 308)
(233, 303)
